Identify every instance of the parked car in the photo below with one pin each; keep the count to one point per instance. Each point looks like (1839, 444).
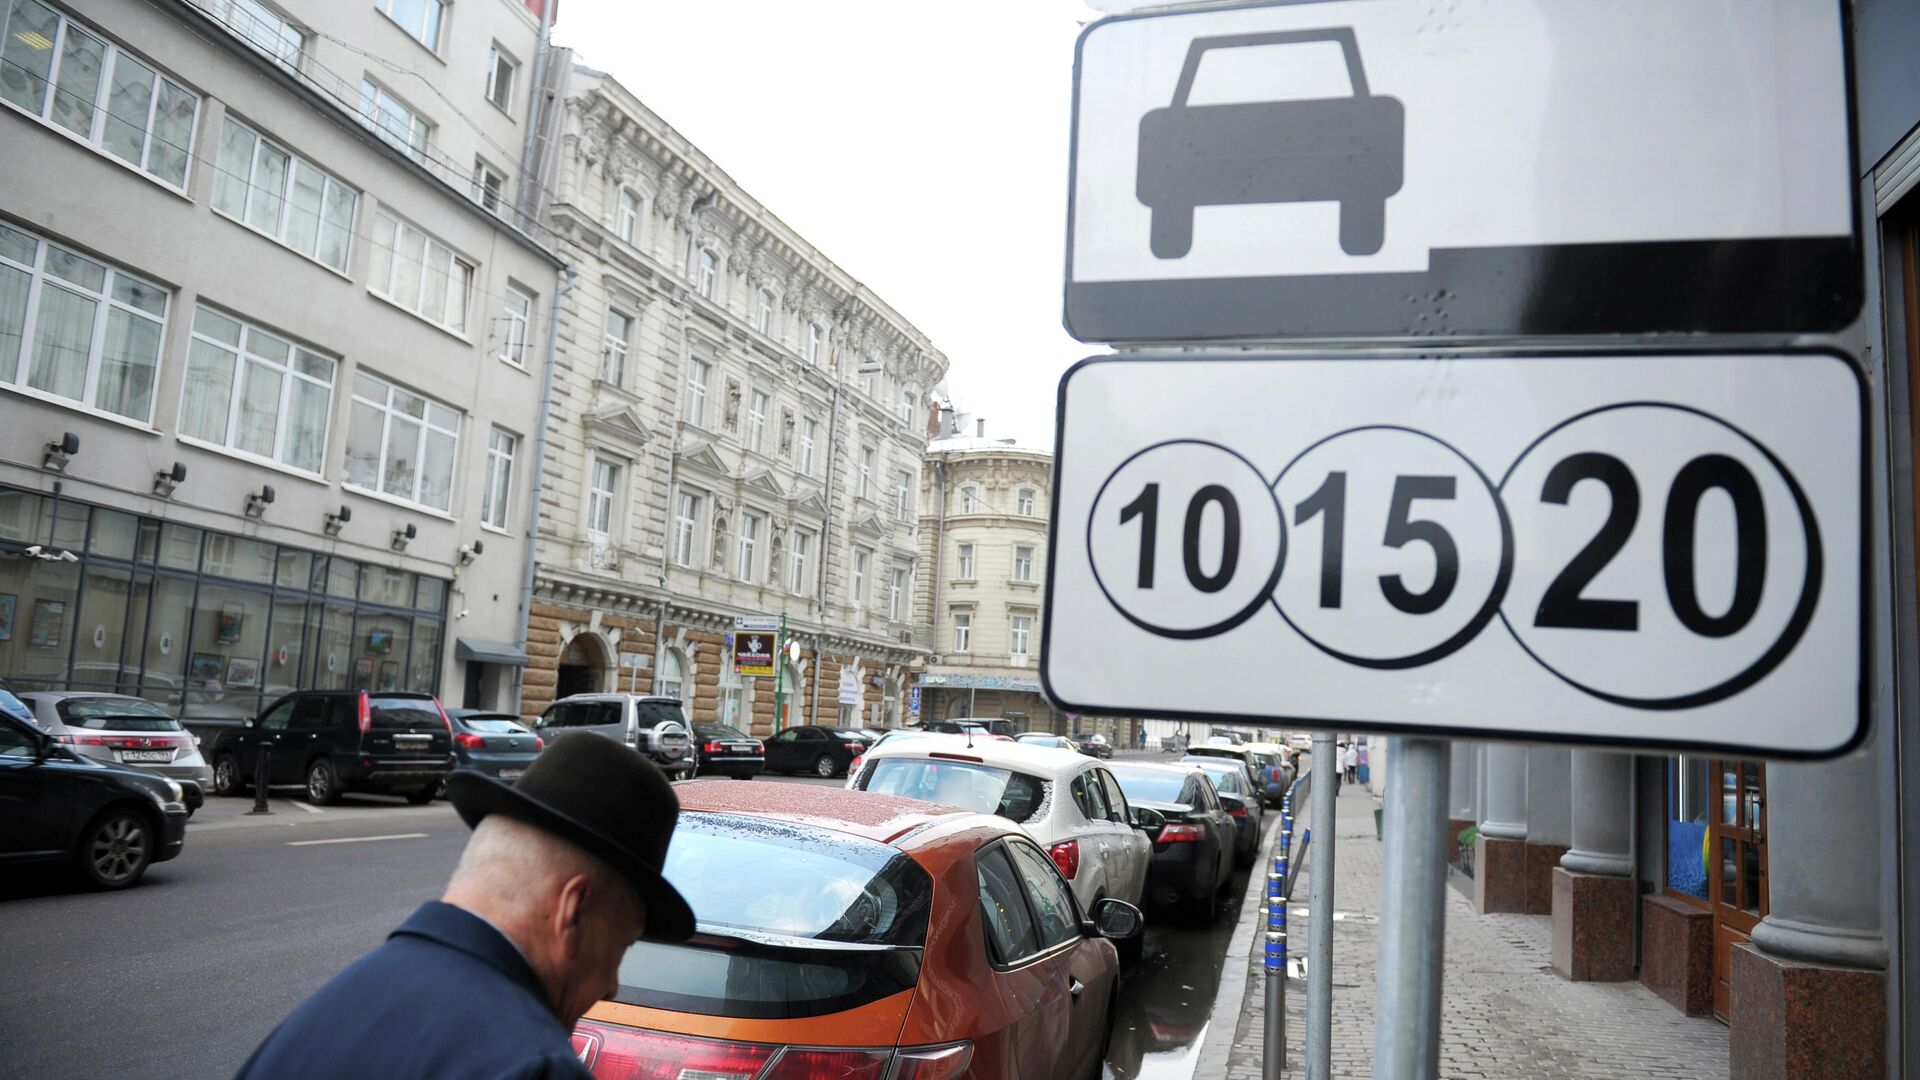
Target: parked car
(1273, 768)
(839, 929)
(1067, 801)
(815, 748)
(1092, 744)
(11, 705)
(1193, 855)
(1240, 796)
(959, 725)
(494, 743)
(1046, 738)
(124, 730)
(655, 726)
(109, 821)
(721, 750)
(335, 741)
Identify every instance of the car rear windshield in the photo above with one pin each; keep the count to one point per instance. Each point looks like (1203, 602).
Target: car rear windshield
(794, 921)
(496, 727)
(720, 731)
(654, 712)
(983, 788)
(1224, 781)
(116, 714)
(1149, 785)
(854, 736)
(404, 713)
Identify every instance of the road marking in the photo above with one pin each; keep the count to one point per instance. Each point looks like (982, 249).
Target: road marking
(359, 839)
(304, 806)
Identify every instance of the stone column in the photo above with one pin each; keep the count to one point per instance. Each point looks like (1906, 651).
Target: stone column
(1810, 988)
(1593, 888)
(1549, 821)
(1500, 851)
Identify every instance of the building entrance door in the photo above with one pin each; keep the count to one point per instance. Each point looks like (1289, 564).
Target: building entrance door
(1736, 866)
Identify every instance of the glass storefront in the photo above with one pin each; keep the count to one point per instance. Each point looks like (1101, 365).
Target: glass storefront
(209, 623)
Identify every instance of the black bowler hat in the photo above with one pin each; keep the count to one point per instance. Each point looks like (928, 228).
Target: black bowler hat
(602, 796)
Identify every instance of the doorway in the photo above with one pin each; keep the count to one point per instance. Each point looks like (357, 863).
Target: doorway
(583, 667)
(1736, 866)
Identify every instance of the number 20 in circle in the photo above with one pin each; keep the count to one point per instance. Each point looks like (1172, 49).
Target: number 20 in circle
(1185, 539)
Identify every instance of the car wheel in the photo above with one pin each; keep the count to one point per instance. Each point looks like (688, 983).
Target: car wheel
(323, 784)
(1363, 226)
(823, 767)
(1208, 907)
(226, 776)
(115, 849)
(1170, 232)
(421, 797)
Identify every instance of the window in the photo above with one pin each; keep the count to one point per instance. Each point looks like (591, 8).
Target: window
(766, 312)
(419, 273)
(1022, 563)
(673, 673)
(394, 121)
(1058, 920)
(627, 221)
(419, 18)
(499, 480)
(1020, 634)
(516, 313)
(809, 429)
(813, 343)
(147, 120)
(256, 392)
(862, 558)
(1011, 934)
(613, 355)
(962, 631)
(969, 501)
(906, 407)
(797, 578)
(896, 593)
(278, 193)
(867, 455)
(697, 373)
(686, 520)
(488, 183)
(709, 272)
(500, 72)
(965, 562)
(756, 420)
(730, 692)
(76, 328)
(600, 490)
(401, 444)
(749, 533)
(903, 494)
(1023, 504)
(261, 27)
(867, 382)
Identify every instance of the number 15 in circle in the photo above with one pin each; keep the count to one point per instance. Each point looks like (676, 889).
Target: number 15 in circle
(1185, 539)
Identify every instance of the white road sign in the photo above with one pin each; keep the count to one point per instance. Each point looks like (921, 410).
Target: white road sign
(1356, 168)
(1651, 550)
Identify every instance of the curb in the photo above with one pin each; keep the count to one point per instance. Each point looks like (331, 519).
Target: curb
(1237, 968)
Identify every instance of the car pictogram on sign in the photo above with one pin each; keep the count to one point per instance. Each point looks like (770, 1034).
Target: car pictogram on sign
(1349, 150)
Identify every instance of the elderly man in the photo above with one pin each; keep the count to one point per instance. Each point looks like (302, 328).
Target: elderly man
(562, 874)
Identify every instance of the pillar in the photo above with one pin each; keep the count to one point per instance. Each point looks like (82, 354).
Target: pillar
(1549, 821)
(1593, 887)
(1500, 850)
(1809, 990)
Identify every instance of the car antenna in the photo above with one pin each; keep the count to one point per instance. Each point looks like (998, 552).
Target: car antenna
(969, 732)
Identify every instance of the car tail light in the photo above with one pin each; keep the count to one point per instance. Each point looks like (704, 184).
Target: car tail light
(933, 1062)
(366, 714)
(539, 743)
(1066, 856)
(467, 740)
(853, 767)
(444, 718)
(759, 748)
(712, 748)
(829, 1065)
(1236, 811)
(1181, 834)
(627, 1053)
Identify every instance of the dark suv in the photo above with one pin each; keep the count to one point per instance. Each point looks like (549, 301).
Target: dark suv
(330, 741)
(111, 821)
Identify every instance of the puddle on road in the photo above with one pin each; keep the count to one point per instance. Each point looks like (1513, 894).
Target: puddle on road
(1166, 999)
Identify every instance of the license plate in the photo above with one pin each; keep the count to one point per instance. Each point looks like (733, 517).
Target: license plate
(412, 741)
(146, 755)
(511, 774)
(739, 748)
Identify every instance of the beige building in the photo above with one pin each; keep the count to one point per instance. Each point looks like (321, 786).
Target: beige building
(736, 430)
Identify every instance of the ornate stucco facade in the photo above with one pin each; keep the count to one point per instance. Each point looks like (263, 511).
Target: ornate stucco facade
(736, 429)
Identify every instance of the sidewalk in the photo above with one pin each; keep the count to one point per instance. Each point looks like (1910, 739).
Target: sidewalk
(1505, 1014)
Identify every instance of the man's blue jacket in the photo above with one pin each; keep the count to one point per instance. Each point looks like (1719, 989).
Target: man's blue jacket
(447, 995)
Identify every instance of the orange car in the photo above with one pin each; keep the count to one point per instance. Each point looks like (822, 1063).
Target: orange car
(859, 936)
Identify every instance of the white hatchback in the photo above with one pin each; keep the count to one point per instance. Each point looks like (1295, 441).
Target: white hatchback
(1066, 800)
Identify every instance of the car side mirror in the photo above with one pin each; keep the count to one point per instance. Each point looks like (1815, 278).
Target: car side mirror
(247, 722)
(1149, 821)
(1117, 920)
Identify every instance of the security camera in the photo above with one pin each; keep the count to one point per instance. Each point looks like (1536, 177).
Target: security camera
(463, 613)
(68, 556)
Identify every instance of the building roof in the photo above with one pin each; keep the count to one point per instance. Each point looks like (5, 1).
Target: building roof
(973, 444)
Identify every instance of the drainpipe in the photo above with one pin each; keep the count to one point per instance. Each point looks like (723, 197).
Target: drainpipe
(700, 206)
(535, 103)
(539, 472)
(939, 558)
(833, 491)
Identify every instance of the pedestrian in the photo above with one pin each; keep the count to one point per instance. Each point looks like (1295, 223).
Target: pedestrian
(560, 876)
(1351, 760)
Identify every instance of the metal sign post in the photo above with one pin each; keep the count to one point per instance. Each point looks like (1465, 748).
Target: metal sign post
(1320, 914)
(1413, 913)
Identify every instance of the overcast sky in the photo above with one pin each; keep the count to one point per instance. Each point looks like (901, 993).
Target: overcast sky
(921, 146)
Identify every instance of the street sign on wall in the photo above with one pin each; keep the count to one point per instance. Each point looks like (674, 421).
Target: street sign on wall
(755, 640)
(1363, 169)
(1650, 550)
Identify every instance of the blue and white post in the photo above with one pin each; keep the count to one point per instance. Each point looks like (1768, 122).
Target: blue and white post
(1274, 1060)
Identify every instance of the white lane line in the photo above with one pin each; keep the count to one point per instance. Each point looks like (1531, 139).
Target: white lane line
(311, 809)
(359, 839)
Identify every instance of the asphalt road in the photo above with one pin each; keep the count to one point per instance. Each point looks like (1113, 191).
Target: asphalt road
(183, 974)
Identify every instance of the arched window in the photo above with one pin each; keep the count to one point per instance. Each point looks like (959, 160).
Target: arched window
(673, 673)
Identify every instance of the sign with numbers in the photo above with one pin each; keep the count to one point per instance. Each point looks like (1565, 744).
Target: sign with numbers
(1650, 550)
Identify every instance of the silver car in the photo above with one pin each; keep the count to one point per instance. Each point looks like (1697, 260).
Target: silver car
(124, 730)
